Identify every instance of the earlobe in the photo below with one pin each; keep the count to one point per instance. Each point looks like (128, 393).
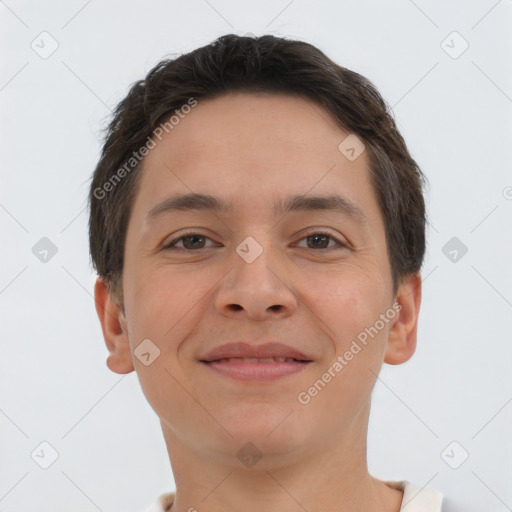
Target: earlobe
(114, 327)
(401, 343)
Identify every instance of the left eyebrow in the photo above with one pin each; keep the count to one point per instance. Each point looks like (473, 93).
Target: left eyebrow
(296, 203)
(333, 202)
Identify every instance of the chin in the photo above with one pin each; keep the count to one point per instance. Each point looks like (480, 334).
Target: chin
(268, 434)
(258, 451)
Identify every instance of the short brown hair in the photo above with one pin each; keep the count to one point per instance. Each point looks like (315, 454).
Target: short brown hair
(234, 63)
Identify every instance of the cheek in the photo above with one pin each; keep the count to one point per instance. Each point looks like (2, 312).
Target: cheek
(161, 307)
(348, 303)
(160, 297)
(346, 377)
(152, 309)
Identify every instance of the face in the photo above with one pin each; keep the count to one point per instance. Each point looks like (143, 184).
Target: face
(311, 279)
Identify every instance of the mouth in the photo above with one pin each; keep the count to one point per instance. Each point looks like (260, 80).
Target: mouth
(257, 369)
(255, 361)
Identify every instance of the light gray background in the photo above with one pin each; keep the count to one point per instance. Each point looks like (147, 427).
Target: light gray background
(455, 114)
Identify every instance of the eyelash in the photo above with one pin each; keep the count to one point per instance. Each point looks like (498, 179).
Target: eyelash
(171, 245)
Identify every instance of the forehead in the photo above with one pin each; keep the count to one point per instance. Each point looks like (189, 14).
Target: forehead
(255, 124)
(253, 148)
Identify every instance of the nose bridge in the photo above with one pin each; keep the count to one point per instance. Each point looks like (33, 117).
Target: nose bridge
(254, 260)
(251, 250)
(254, 282)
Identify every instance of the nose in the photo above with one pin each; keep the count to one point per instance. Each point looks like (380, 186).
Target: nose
(256, 287)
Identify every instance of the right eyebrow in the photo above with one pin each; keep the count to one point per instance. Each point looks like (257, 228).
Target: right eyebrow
(190, 202)
(300, 202)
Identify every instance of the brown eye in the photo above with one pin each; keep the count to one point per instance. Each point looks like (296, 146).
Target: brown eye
(190, 242)
(321, 241)
(194, 241)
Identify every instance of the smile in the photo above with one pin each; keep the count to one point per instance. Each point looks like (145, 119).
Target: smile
(259, 369)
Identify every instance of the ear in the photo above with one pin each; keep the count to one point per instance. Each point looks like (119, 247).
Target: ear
(115, 332)
(401, 343)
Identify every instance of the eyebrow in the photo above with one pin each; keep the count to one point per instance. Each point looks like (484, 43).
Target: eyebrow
(296, 203)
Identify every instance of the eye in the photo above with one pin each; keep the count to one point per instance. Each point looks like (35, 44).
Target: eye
(318, 240)
(191, 241)
(196, 241)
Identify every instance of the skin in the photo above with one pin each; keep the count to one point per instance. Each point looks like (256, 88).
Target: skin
(254, 148)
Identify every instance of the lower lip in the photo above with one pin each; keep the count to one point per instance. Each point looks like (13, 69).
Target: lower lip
(257, 371)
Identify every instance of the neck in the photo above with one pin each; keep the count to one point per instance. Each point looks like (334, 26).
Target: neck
(327, 477)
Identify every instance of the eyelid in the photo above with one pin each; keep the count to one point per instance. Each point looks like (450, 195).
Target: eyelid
(176, 238)
(341, 241)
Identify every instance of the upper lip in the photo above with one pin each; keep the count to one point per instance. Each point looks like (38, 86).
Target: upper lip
(260, 351)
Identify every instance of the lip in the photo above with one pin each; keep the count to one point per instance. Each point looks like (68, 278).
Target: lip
(251, 350)
(240, 361)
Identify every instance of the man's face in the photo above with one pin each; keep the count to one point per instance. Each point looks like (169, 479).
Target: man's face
(308, 292)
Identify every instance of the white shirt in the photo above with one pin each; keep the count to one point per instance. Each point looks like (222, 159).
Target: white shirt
(415, 499)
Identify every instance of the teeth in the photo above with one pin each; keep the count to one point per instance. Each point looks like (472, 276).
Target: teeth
(257, 360)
